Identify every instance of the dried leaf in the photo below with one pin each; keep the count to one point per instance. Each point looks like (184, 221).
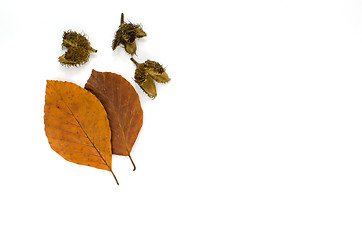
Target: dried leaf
(76, 125)
(123, 107)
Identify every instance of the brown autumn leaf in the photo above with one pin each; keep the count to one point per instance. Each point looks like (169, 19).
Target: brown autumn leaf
(76, 125)
(123, 108)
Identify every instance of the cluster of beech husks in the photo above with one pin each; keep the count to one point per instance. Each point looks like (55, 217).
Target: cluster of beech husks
(146, 73)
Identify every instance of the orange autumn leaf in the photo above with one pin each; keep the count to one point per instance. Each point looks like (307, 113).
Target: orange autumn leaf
(123, 107)
(76, 125)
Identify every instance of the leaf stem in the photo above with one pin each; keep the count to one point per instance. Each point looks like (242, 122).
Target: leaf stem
(113, 175)
(134, 166)
(125, 144)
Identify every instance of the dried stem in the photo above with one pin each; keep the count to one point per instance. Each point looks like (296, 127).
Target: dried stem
(135, 62)
(113, 175)
(134, 166)
(122, 19)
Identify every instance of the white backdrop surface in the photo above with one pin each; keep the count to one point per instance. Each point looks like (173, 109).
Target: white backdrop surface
(257, 136)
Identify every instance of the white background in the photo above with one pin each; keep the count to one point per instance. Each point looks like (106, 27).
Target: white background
(257, 136)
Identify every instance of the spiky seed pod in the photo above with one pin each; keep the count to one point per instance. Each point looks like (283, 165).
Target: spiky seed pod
(155, 66)
(140, 74)
(148, 72)
(126, 35)
(149, 87)
(72, 39)
(156, 71)
(79, 49)
(144, 81)
(74, 57)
